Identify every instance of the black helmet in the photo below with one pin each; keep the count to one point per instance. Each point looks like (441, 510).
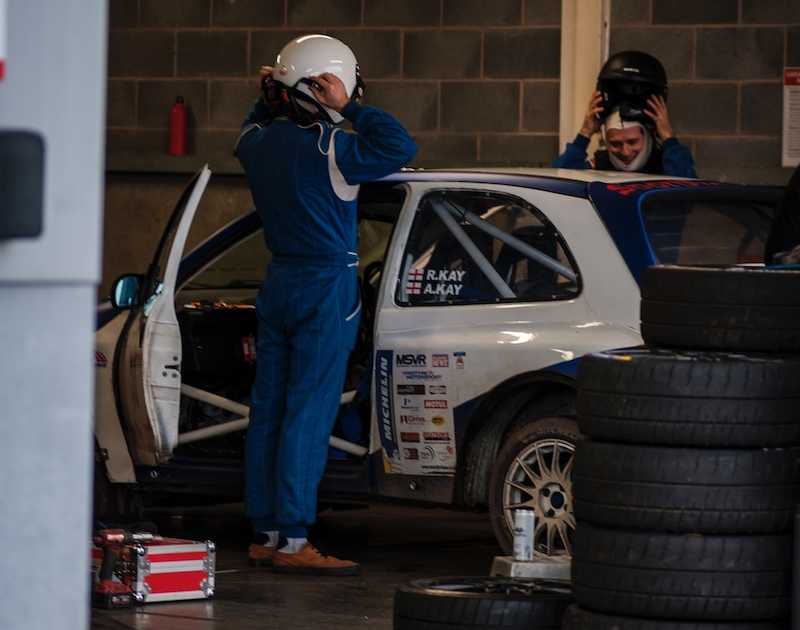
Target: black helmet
(627, 80)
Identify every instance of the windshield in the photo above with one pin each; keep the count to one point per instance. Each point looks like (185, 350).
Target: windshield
(701, 229)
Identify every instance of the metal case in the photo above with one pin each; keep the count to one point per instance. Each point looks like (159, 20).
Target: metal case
(165, 570)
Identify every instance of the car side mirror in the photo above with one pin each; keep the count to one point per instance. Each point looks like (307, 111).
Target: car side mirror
(125, 293)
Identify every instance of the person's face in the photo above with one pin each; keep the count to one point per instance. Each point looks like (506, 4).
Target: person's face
(625, 144)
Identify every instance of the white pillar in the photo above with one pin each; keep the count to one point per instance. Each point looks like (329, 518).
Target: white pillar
(54, 85)
(584, 48)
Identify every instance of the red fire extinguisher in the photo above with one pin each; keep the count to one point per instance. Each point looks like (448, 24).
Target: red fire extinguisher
(177, 128)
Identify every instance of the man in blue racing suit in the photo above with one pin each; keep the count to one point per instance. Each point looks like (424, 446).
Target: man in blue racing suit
(304, 173)
(630, 145)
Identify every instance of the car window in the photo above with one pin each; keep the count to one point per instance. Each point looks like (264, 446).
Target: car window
(241, 266)
(244, 263)
(706, 231)
(468, 247)
(379, 205)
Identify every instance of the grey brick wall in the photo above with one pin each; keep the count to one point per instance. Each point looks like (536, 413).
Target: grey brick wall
(476, 82)
(724, 60)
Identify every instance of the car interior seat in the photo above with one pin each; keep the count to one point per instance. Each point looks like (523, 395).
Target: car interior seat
(528, 278)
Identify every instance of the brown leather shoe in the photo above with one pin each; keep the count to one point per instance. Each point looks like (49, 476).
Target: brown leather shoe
(260, 555)
(309, 561)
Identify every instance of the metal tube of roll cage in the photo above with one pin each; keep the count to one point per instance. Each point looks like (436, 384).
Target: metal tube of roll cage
(241, 423)
(521, 246)
(472, 250)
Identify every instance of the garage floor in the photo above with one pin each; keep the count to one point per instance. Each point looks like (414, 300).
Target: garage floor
(393, 544)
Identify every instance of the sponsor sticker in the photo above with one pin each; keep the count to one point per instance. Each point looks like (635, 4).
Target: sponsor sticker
(421, 375)
(628, 189)
(409, 437)
(440, 360)
(436, 404)
(438, 420)
(409, 403)
(383, 387)
(437, 390)
(460, 358)
(411, 390)
(445, 454)
(412, 420)
(411, 360)
(410, 453)
(435, 436)
(427, 454)
(100, 360)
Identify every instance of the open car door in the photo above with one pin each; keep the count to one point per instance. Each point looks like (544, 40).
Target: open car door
(148, 369)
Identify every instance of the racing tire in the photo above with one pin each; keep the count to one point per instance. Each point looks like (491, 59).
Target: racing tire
(685, 490)
(473, 603)
(546, 446)
(481, 450)
(577, 618)
(685, 398)
(721, 308)
(674, 576)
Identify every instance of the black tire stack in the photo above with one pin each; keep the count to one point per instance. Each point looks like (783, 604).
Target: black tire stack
(686, 486)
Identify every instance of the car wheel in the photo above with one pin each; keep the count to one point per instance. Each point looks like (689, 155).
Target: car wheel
(577, 618)
(682, 576)
(685, 489)
(533, 471)
(720, 308)
(473, 603)
(685, 398)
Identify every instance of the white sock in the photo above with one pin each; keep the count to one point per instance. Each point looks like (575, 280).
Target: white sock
(293, 545)
(272, 538)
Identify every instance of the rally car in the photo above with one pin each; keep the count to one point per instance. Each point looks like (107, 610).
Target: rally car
(481, 290)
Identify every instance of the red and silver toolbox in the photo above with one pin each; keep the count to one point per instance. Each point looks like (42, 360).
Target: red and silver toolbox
(164, 569)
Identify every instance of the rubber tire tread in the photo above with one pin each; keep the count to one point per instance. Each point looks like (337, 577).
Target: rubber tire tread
(674, 576)
(735, 308)
(685, 490)
(683, 398)
(577, 618)
(418, 607)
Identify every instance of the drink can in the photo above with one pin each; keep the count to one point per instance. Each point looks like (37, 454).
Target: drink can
(524, 521)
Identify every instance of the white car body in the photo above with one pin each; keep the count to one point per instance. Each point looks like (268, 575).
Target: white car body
(439, 372)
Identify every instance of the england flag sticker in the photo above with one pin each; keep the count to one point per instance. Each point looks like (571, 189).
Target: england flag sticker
(414, 283)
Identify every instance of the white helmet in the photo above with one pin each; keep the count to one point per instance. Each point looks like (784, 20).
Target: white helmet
(311, 55)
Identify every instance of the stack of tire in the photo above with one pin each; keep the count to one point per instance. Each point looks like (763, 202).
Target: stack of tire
(686, 486)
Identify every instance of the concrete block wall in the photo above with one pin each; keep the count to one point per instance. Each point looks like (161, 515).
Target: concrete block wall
(475, 82)
(724, 60)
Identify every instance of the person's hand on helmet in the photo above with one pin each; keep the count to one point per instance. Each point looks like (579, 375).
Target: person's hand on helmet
(657, 111)
(263, 73)
(330, 91)
(591, 122)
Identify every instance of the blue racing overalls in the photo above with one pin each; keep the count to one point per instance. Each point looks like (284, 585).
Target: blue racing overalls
(672, 158)
(304, 182)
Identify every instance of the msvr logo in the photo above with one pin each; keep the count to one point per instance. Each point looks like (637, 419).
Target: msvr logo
(405, 360)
